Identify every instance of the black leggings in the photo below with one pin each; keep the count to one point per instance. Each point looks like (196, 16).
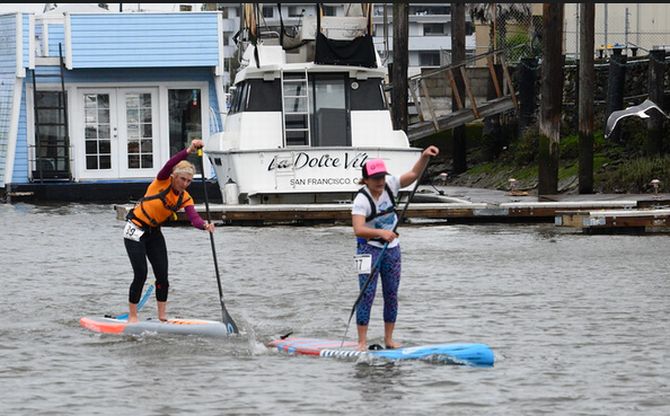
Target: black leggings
(151, 246)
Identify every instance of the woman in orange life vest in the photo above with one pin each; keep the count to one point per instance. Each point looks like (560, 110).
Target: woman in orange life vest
(142, 236)
(373, 218)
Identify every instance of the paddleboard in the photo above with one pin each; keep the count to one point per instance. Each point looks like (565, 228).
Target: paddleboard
(107, 325)
(479, 355)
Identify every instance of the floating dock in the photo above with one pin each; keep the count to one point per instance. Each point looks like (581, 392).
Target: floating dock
(590, 213)
(616, 221)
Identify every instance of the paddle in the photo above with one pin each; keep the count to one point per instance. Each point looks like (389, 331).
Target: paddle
(145, 297)
(375, 267)
(226, 319)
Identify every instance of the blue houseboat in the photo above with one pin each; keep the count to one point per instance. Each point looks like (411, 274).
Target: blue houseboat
(93, 104)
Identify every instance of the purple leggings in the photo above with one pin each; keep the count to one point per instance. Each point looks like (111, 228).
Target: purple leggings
(389, 269)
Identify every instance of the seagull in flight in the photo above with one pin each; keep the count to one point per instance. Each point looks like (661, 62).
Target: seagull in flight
(639, 110)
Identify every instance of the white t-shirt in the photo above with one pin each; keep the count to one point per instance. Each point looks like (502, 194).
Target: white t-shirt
(387, 222)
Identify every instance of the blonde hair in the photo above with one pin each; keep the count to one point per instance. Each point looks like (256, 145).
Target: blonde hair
(184, 167)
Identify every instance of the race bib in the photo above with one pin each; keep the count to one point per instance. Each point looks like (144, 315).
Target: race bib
(363, 263)
(132, 232)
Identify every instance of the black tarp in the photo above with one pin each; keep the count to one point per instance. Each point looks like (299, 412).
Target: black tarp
(357, 52)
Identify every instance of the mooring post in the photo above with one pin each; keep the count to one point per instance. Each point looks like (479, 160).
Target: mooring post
(460, 163)
(615, 88)
(654, 142)
(399, 94)
(527, 80)
(552, 98)
(586, 77)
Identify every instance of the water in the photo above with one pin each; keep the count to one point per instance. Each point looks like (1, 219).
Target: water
(579, 324)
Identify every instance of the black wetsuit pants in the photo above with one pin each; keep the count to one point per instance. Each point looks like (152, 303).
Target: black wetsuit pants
(151, 246)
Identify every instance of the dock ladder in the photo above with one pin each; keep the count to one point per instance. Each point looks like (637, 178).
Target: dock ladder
(295, 108)
(52, 149)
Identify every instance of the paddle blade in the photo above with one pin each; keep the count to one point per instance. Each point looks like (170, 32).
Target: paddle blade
(228, 320)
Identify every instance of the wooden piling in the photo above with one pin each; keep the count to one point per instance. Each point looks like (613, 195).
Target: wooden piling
(492, 131)
(460, 163)
(615, 86)
(654, 142)
(399, 94)
(552, 98)
(526, 78)
(585, 99)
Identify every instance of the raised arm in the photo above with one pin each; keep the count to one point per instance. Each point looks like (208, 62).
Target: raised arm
(166, 170)
(409, 177)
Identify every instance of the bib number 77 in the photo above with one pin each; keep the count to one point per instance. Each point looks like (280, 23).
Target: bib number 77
(363, 263)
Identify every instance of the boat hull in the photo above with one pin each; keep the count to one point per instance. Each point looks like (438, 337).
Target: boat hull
(302, 175)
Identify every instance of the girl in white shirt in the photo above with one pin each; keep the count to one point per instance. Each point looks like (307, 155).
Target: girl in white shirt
(374, 218)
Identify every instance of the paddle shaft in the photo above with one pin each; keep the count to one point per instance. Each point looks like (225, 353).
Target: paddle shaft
(375, 268)
(226, 318)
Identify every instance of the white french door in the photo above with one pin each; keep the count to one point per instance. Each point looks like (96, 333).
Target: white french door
(119, 132)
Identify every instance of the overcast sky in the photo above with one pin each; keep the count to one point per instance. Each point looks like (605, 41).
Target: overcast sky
(37, 8)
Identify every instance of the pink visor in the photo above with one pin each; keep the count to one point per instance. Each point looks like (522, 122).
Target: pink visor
(374, 168)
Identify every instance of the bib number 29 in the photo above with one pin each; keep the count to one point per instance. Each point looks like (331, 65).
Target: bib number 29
(363, 263)
(131, 232)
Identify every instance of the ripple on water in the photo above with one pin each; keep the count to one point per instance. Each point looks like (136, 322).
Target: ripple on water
(578, 324)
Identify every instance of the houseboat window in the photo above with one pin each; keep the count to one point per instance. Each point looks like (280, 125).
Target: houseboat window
(140, 134)
(367, 96)
(263, 95)
(329, 111)
(52, 152)
(185, 120)
(97, 132)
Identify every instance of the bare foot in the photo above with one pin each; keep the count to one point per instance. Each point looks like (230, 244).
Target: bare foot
(362, 347)
(392, 345)
(163, 319)
(133, 320)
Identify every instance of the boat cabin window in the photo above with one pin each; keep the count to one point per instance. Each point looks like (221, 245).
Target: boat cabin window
(367, 94)
(263, 95)
(256, 95)
(316, 110)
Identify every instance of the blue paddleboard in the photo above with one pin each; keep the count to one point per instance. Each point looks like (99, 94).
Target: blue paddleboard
(479, 355)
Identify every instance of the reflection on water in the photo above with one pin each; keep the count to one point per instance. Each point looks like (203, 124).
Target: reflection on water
(579, 324)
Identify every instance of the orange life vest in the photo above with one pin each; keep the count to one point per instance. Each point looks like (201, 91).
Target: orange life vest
(159, 204)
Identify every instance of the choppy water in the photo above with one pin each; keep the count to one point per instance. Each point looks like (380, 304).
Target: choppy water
(579, 324)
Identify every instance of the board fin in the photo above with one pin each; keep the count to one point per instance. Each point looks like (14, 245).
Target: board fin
(288, 334)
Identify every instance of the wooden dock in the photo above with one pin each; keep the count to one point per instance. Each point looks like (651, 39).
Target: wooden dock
(456, 212)
(616, 221)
